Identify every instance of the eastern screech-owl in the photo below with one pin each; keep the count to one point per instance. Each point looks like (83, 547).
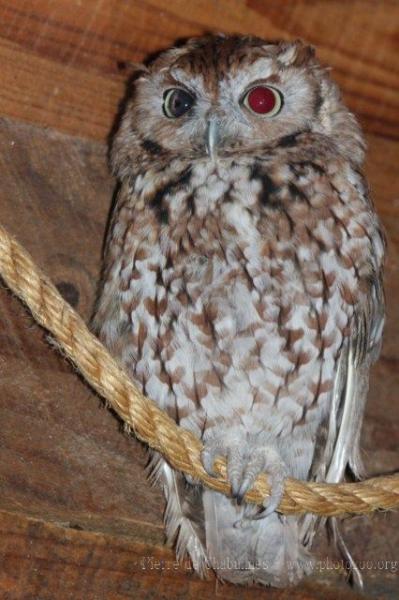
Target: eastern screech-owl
(242, 285)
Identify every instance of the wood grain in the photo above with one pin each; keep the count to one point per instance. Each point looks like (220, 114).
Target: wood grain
(62, 457)
(44, 561)
(63, 62)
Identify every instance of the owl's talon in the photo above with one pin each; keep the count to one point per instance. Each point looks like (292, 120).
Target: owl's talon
(250, 511)
(211, 451)
(264, 460)
(244, 464)
(264, 512)
(277, 473)
(239, 496)
(208, 459)
(236, 459)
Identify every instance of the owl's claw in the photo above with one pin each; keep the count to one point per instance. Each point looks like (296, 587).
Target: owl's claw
(209, 454)
(244, 464)
(234, 455)
(267, 460)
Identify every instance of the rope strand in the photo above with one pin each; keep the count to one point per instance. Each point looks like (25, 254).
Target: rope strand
(153, 426)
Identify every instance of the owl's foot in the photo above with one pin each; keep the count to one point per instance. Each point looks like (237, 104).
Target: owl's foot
(245, 461)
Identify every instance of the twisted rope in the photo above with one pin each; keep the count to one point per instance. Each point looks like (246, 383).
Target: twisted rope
(150, 424)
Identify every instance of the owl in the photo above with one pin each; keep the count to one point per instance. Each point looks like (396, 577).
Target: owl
(242, 287)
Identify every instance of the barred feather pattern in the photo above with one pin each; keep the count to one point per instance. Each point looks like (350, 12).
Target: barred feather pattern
(243, 294)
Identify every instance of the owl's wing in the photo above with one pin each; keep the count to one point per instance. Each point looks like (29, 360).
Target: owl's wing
(351, 386)
(351, 381)
(341, 436)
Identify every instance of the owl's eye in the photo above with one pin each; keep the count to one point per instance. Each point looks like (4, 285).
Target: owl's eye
(176, 102)
(263, 100)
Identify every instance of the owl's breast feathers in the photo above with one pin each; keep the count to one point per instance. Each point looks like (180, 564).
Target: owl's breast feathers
(232, 287)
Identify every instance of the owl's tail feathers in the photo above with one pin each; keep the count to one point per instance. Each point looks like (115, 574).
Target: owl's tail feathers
(266, 551)
(184, 514)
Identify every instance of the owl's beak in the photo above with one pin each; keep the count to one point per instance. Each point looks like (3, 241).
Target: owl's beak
(212, 138)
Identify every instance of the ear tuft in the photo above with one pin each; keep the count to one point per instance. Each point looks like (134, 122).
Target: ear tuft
(295, 54)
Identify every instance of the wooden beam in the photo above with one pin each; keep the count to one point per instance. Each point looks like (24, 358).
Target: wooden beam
(45, 560)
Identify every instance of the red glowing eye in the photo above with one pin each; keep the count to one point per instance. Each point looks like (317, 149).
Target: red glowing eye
(263, 100)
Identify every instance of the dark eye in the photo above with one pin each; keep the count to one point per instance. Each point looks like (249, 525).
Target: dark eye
(176, 102)
(263, 100)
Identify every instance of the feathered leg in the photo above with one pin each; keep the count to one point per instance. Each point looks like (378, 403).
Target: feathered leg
(247, 544)
(265, 551)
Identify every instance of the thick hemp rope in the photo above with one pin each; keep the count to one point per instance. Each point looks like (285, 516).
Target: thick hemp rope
(150, 424)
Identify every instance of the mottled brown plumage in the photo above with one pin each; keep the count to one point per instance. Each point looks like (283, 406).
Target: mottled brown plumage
(242, 285)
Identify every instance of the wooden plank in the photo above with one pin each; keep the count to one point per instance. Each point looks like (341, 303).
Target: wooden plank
(61, 61)
(68, 99)
(62, 457)
(381, 170)
(42, 560)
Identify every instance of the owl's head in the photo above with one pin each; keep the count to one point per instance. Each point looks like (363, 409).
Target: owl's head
(220, 95)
